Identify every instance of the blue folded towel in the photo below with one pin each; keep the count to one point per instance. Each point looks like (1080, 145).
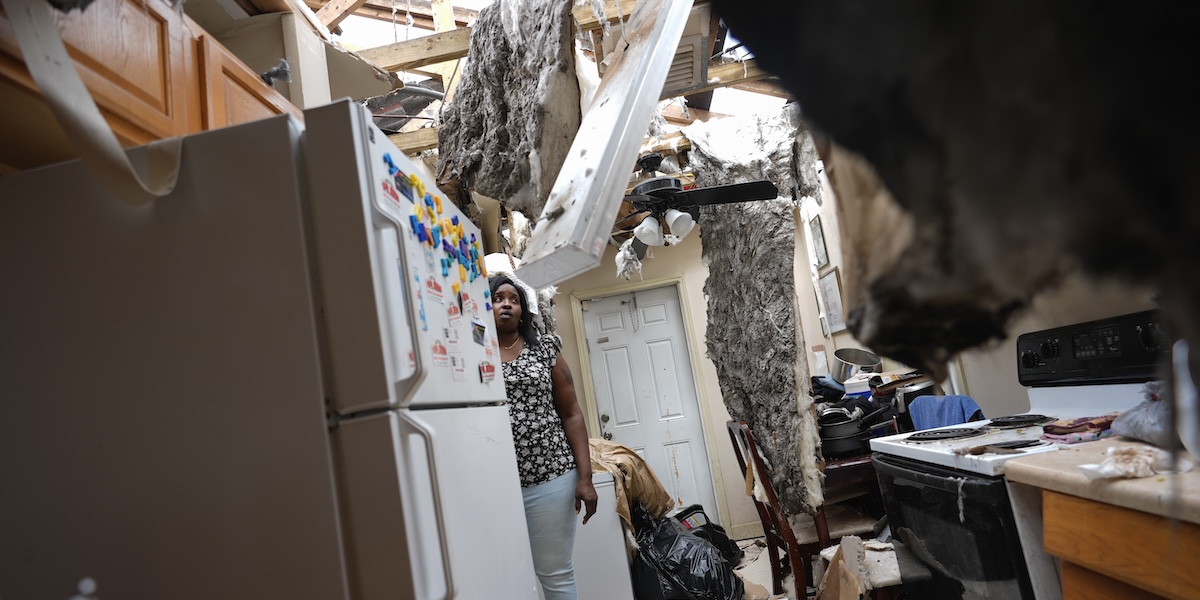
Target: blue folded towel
(939, 411)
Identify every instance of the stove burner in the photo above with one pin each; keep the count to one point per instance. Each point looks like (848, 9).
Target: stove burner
(941, 435)
(1016, 421)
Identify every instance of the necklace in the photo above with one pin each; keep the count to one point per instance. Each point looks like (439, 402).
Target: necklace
(509, 347)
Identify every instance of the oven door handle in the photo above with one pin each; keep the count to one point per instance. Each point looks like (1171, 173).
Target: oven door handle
(939, 478)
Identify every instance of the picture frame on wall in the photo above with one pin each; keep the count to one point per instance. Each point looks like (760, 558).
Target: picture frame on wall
(830, 288)
(820, 252)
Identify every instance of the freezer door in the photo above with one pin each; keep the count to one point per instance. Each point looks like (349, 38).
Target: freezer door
(403, 290)
(164, 427)
(432, 506)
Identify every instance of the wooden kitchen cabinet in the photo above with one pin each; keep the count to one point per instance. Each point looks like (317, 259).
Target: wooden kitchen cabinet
(153, 73)
(232, 92)
(1116, 538)
(1116, 552)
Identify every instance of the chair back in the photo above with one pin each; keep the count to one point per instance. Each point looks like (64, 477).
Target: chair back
(748, 457)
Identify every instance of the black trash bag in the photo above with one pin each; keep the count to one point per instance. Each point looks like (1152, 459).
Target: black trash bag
(695, 520)
(688, 567)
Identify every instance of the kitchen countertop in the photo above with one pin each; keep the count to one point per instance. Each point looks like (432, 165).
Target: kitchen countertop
(1172, 495)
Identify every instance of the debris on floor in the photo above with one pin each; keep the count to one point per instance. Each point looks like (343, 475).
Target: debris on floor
(755, 573)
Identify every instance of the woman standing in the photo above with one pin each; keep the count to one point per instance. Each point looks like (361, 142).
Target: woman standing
(552, 447)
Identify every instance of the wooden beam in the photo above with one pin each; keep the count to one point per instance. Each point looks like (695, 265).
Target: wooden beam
(416, 141)
(614, 10)
(443, 21)
(767, 87)
(673, 113)
(672, 143)
(422, 12)
(336, 11)
(418, 52)
(724, 75)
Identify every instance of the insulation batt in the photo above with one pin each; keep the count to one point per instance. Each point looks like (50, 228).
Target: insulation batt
(1025, 138)
(753, 335)
(515, 112)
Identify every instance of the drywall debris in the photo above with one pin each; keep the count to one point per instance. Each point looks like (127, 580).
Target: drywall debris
(516, 110)
(751, 289)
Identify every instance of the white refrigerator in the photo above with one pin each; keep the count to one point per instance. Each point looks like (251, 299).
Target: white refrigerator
(280, 381)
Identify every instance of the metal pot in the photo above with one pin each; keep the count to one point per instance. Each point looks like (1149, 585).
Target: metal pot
(837, 422)
(854, 443)
(846, 445)
(848, 361)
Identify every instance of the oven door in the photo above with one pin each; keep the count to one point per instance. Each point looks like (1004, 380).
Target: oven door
(960, 524)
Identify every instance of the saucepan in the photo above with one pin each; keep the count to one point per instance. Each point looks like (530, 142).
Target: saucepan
(848, 361)
(842, 434)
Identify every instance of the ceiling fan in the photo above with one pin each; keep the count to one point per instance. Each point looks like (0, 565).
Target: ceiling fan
(667, 202)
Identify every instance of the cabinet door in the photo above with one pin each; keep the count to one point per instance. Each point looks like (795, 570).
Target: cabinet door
(131, 56)
(233, 93)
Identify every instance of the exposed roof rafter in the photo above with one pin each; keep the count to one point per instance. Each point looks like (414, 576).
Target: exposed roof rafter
(418, 52)
(422, 12)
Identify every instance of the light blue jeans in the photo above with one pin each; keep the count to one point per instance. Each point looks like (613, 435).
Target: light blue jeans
(550, 515)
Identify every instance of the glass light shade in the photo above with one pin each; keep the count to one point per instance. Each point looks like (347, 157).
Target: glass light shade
(649, 231)
(681, 223)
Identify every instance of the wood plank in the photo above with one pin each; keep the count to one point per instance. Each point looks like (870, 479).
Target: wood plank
(614, 11)
(336, 11)
(422, 12)
(724, 75)
(443, 21)
(1080, 583)
(416, 141)
(767, 87)
(672, 143)
(418, 52)
(1149, 551)
(673, 113)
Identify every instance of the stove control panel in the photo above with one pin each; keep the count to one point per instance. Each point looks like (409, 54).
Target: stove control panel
(1123, 349)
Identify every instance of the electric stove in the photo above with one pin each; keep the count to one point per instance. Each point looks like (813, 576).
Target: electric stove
(944, 488)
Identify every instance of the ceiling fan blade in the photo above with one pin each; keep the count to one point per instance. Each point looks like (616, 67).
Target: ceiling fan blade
(723, 194)
(639, 249)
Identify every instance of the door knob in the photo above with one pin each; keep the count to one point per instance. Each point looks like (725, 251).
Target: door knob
(603, 417)
(607, 435)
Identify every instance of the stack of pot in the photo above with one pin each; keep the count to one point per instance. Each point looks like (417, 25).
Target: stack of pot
(845, 431)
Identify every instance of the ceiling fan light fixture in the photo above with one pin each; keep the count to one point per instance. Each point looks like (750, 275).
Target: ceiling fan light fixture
(681, 223)
(649, 231)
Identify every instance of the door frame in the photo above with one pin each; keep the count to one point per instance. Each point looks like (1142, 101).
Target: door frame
(578, 297)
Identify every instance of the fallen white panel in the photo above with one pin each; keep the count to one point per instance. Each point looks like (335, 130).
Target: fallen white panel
(575, 224)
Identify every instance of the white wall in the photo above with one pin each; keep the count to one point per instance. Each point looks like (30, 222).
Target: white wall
(735, 510)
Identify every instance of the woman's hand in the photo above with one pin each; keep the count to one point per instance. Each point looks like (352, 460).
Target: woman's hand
(585, 495)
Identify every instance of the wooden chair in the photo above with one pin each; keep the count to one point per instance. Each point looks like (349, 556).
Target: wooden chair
(784, 550)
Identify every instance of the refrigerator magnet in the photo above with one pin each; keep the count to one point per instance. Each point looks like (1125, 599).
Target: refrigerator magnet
(430, 263)
(479, 331)
(452, 340)
(420, 301)
(454, 314)
(434, 289)
(440, 356)
(487, 371)
(458, 368)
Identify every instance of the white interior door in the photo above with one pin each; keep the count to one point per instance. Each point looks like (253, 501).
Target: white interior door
(645, 392)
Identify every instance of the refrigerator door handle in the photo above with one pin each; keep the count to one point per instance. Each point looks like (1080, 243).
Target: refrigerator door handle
(443, 539)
